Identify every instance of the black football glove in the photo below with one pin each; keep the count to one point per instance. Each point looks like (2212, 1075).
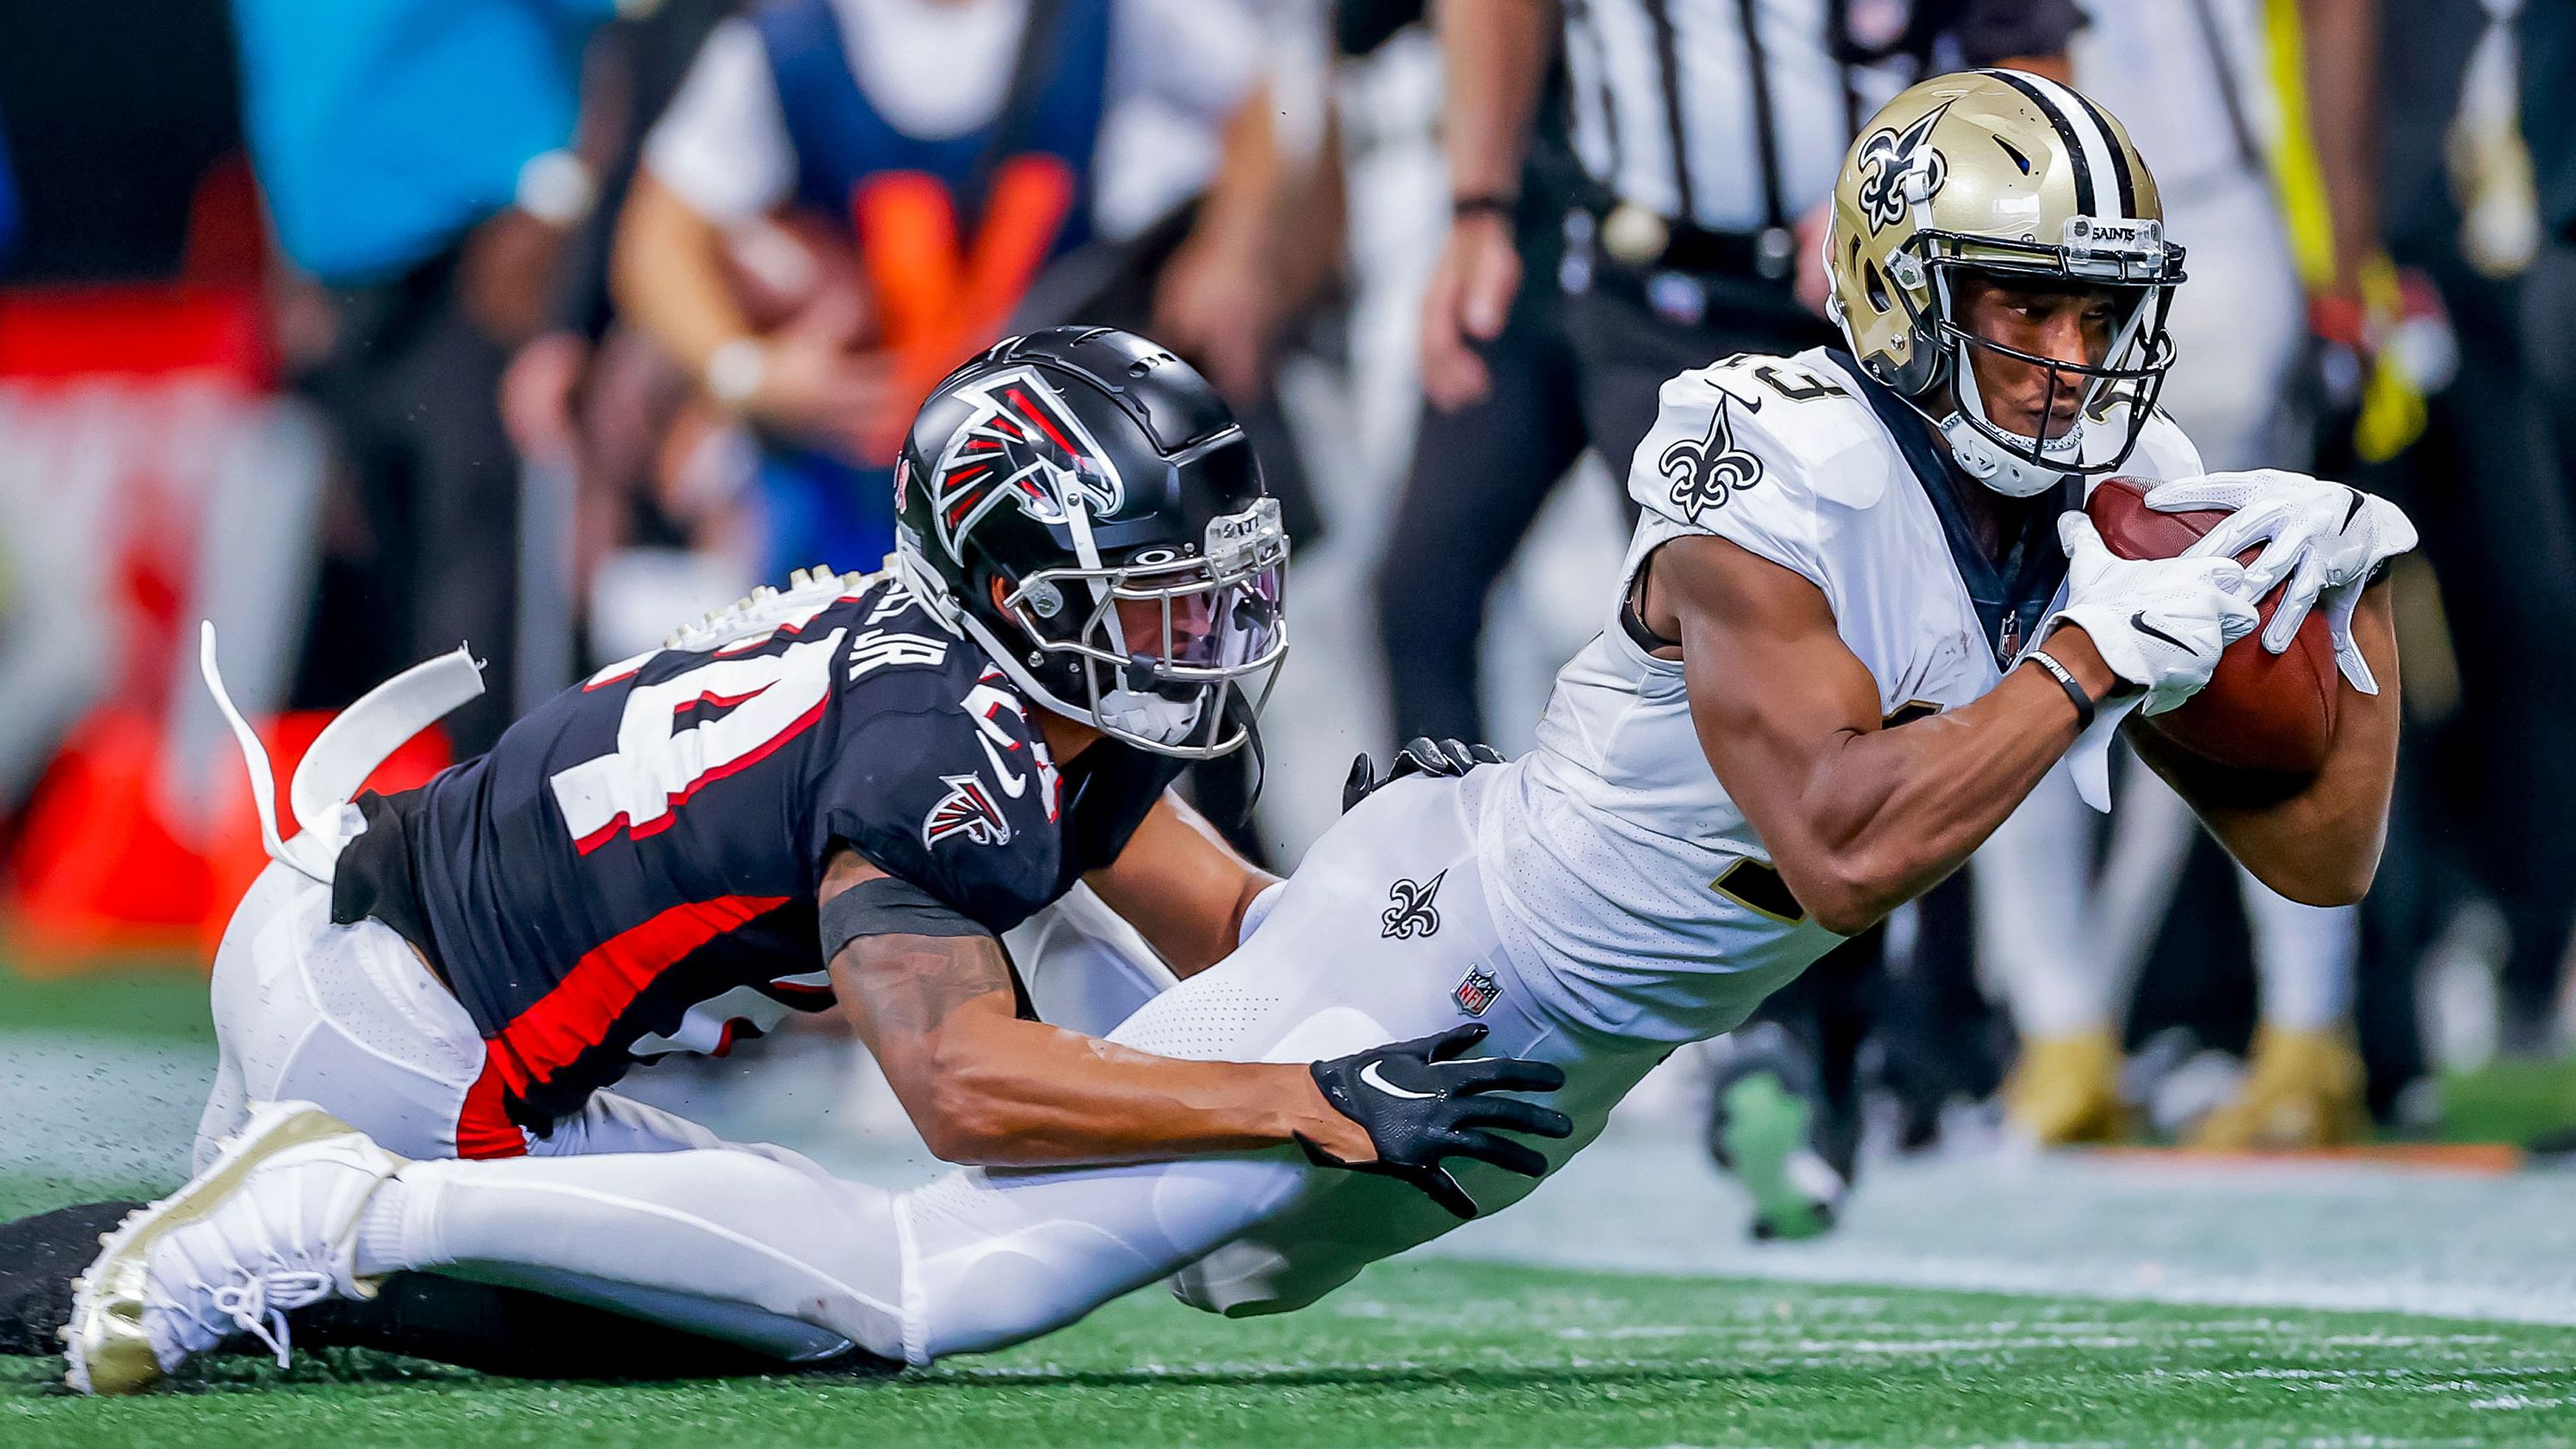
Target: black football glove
(1422, 1106)
(1421, 755)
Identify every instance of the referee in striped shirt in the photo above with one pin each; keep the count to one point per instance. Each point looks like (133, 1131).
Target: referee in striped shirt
(1710, 132)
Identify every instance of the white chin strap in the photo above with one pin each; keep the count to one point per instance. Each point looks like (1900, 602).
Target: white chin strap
(2006, 473)
(1150, 716)
(1138, 714)
(2000, 468)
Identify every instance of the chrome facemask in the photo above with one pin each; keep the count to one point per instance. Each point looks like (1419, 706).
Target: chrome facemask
(2114, 397)
(1166, 635)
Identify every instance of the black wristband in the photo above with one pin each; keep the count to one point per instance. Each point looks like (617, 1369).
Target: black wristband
(887, 906)
(1462, 207)
(2083, 702)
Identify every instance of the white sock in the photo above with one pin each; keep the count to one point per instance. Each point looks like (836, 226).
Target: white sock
(380, 1231)
(2151, 835)
(2303, 958)
(2033, 894)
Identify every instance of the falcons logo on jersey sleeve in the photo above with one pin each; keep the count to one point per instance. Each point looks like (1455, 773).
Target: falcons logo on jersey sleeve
(1024, 446)
(968, 809)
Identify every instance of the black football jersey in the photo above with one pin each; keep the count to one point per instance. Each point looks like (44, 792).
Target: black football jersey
(632, 869)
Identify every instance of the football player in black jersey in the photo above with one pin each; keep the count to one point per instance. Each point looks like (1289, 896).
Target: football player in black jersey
(847, 790)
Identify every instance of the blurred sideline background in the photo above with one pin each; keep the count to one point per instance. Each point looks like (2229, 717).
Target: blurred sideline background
(360, 334)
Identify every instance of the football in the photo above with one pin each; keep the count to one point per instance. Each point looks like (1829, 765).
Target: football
(2261, 711)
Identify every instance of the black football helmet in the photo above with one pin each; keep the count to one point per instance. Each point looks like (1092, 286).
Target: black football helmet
(1080, 502)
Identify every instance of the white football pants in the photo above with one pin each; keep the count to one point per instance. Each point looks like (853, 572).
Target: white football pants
(983, 1258)
(349, 1018)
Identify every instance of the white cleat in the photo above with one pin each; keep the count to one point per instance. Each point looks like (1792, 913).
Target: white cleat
(269, 1226)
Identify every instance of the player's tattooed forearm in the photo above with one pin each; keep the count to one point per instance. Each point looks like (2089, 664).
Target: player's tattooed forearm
(911, 983)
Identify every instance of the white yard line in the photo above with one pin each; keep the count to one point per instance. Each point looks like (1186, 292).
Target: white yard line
(2291, 1236)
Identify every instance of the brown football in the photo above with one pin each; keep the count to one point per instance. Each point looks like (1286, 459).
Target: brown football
(2261, 711)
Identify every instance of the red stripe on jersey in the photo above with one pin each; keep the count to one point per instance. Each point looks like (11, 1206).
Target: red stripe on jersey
(483, 1125)
(709, 699)
(575, 1016)
(659, 823)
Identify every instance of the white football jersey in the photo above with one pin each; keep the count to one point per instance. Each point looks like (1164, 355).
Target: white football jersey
(1622, 873)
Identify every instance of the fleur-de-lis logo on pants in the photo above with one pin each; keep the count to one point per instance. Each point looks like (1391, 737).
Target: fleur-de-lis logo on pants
(1705, 472)
(1409, 912)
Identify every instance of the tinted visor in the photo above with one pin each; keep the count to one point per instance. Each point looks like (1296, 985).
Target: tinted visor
(1198, 624)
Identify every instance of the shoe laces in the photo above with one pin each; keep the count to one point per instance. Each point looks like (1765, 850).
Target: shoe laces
(257, 1304)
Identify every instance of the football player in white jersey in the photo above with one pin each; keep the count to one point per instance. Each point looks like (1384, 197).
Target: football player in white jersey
(1847, 641)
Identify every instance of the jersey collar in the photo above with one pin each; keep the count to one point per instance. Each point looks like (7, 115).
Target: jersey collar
(2009, 593)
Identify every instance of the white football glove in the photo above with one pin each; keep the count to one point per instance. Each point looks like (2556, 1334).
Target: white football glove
(2327, 539)
(2159, 623)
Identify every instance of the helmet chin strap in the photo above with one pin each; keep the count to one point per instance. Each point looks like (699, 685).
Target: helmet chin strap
(1143, 714)
(1982, 458)
(1979, 458)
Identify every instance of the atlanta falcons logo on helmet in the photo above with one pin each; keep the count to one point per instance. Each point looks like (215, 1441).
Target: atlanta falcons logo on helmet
(967, 809)
(1022, 445)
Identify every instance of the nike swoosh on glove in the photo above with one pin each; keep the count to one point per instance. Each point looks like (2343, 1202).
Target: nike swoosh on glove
(2327, 539)
(2160, 623)
(1423, 1106)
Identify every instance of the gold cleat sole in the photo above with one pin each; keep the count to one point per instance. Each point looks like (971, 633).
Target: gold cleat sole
(105, 1349)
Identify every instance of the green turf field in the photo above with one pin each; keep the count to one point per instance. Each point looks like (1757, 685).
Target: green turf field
(1443, 1353)
(155, 1000)
(1460, 1354)
(1423, 1353)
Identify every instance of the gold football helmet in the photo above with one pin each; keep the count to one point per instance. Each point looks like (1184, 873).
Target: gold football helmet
(2012, 175)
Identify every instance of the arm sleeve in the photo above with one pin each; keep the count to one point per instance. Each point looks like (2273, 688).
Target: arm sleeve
(723, 146)
(1710, 466)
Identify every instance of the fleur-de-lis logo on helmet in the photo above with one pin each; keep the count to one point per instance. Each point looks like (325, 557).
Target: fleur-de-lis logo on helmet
(1705, 472)
(1899, 169)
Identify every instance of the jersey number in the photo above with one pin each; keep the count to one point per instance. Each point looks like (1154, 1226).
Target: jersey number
(664, 754)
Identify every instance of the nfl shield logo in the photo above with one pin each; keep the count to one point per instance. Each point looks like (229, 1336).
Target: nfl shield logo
(1478, 991)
